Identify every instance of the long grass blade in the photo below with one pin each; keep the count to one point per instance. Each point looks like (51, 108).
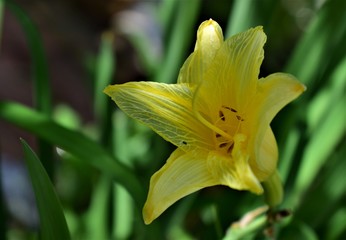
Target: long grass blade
(313, 52)
(73, 142)
(241, 17)
(105, 69)
(182, 32)
(52, 221)
(98, 213)
(42, 89)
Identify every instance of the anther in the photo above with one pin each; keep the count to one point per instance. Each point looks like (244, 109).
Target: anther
(230, 148)
(222, 116)
(222, 145)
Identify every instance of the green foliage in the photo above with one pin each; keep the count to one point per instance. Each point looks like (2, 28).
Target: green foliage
(41, 83)
(73, 142)
(52, 220)
(115, 157)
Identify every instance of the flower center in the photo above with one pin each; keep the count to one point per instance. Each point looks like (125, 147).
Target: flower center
(229, 121)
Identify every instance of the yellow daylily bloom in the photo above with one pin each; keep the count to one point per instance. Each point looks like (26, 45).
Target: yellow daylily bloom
(218, 116)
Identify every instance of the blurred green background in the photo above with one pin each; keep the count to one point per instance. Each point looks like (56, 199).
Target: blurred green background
(56, 57)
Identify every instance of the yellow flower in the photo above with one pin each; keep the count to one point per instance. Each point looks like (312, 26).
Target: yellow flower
(218, 116)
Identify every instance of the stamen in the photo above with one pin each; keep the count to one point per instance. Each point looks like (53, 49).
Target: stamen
(222, 116)
(212, 126)
(222, 145)
(229, 108)
(227, 129)
(230, 148)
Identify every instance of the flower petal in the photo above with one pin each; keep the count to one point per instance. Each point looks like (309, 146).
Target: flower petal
(209, 40)
(267, 157)
(273, 93)
(183, 174)
(232, 76)
(234, 171)
(187, 72)
(166, 108)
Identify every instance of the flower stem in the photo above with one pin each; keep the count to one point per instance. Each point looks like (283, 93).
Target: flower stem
(273, 190)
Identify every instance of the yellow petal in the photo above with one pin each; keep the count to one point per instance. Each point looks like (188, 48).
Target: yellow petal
(186, 73)
(232, 76)
(183, 174)
(267, 157)
(209, 40)
(273, 93)
(166, 108)
(234, 171)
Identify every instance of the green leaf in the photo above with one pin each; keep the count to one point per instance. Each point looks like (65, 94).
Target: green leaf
(105, 67)
(39, 69)
(337, 225)
(241, 17)
(166, 14)
(288, 151)
(328, 187)
(39, 64)
(237, 233)
(122, 213)
(323, 142)
(319, 44)
(181, 34)
(75, 143)
(52, 221)
(97, 216)
(297, 230)
(327, 97)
